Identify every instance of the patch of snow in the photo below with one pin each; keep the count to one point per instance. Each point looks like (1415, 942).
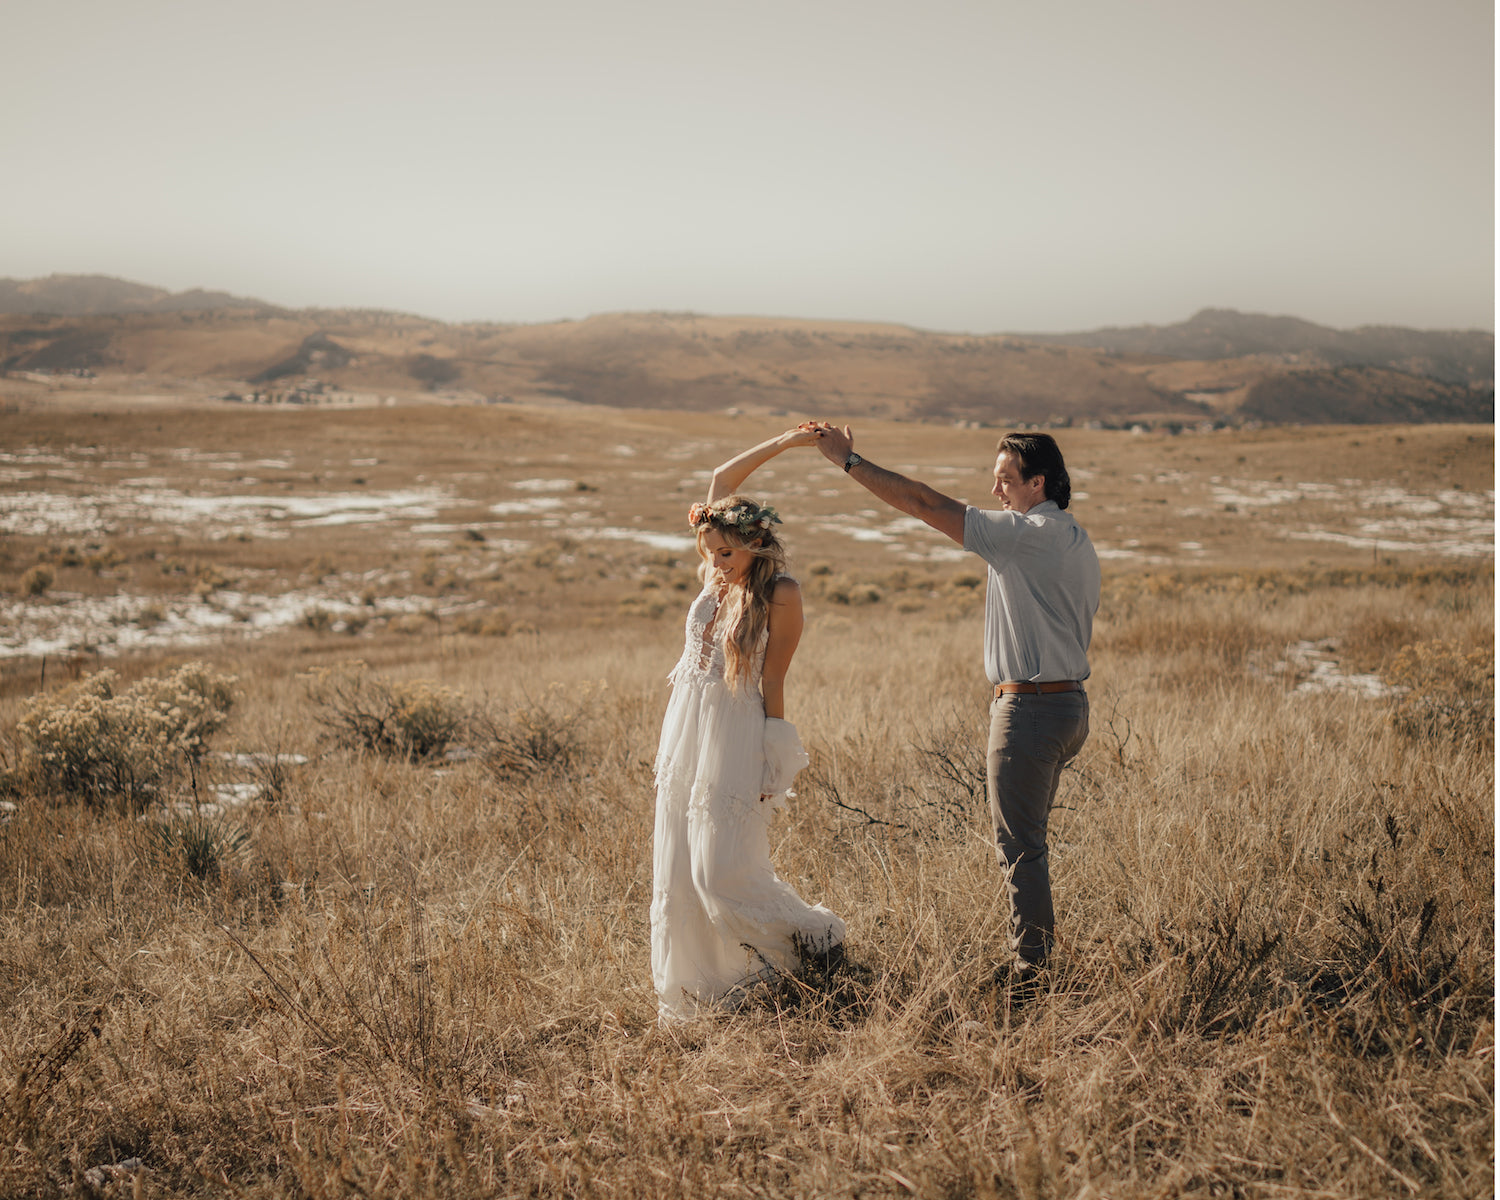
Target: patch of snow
(236, 795)
(519, 508)
(258, 759)
(657, 541)
(112, 625)
(544, 485)
(1318, 663)
(146, 506)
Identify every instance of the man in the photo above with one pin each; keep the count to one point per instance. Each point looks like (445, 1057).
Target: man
(1042, 595)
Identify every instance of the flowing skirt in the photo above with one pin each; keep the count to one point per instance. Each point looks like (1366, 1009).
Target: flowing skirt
(721, 919)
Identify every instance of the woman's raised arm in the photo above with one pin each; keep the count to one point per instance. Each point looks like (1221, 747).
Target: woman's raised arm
(729, 475)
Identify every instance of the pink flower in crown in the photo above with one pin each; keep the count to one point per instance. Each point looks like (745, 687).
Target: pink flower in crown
(698, 515)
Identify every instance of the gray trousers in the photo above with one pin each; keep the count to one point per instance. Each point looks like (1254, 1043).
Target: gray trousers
(1031, 739)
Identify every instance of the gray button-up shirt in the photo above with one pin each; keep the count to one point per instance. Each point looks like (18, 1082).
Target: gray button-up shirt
(1042, 596)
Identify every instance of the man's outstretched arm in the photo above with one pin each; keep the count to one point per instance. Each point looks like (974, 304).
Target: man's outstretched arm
(911, 496)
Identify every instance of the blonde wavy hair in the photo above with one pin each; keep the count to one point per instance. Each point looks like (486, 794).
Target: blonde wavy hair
(746, 610)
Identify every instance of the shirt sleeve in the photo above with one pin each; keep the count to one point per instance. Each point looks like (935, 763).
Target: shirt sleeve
(992, 535)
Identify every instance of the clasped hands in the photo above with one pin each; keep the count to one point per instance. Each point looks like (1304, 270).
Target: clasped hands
(835, 443)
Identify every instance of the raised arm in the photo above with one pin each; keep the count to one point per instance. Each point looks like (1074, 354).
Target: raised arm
(729, 475)
(911, 496)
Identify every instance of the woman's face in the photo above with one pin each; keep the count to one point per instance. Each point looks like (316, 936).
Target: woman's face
(730, 562)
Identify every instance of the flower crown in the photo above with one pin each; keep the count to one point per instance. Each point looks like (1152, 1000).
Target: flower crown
(747, 516)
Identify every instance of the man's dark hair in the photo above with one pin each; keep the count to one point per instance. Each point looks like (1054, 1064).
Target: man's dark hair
(1038, 455)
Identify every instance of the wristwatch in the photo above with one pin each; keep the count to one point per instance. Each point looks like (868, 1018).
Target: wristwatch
(853, 460)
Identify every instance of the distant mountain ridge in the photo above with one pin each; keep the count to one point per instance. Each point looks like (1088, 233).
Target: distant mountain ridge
(1218, 368)
(1453, 356)
(95, 295)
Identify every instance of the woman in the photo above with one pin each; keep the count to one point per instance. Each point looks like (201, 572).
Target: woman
(720, 918)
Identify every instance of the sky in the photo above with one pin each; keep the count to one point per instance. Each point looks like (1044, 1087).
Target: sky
(949, 164)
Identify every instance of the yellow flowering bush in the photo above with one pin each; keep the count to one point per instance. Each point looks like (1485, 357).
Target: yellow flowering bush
(95, 742)
(1451, 692)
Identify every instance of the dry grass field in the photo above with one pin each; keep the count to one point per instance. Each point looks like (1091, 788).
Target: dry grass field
(381, 929)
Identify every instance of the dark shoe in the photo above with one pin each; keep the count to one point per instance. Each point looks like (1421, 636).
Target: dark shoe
(1022, 981)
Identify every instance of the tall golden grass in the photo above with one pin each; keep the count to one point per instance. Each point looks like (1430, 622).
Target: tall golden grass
(1276, 935)
(405, 972)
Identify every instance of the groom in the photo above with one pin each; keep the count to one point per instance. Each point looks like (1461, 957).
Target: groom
(1039, 615)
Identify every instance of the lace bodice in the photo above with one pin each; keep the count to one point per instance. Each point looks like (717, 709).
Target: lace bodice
(703, 650)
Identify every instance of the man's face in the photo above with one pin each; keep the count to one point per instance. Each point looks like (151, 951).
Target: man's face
(1016, 493)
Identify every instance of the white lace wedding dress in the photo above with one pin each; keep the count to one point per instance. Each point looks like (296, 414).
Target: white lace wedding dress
(720, 918)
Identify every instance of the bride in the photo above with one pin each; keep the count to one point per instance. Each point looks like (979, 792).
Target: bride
(721, 920)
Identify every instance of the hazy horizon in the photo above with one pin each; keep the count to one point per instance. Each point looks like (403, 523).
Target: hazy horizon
(967, 167)
(728, 316)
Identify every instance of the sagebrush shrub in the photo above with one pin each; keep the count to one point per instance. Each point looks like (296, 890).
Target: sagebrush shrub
(37, 580)
(493, 622)
(1451, 692)
(399, 718)
(209, 580)
(427, 717)
(535, 738)
(96, 743)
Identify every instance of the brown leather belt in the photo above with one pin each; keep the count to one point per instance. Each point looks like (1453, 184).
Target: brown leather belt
(1037, 689)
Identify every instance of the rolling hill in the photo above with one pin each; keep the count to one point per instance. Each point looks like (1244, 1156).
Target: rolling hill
(1453, 356)
(87, 295)
(1220, 367)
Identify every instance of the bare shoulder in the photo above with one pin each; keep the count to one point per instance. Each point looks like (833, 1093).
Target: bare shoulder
(784, 616)
(786, 602)
(786, 591)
